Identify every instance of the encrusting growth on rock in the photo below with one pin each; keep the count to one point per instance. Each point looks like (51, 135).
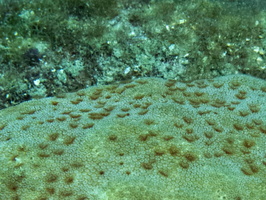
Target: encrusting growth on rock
(170, 140)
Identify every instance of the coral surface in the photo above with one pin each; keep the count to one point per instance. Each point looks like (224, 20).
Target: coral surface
(148, 138)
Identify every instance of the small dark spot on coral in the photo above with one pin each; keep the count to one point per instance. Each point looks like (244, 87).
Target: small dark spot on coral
(65, 169)
(167, 138)
(50, 190)
(53, 136)
(89, 125)
(12, 186)
(69, 179)
(58, 152)
(228, 149)
(43, 155)
(190, 138)
(22, 148)
(77, 165)
(25, 127)
(163, 173)
(174, 151)
(112, 137)
(82, 198)
(73, 125)
(101, 172)
(51, 178)
(69, 140)
(148, 121)
(248, 143)
(184, 165)
(146, 165)
(159, 152)
(66, 193)
(43, 145)
(54, 103)
(190, 156)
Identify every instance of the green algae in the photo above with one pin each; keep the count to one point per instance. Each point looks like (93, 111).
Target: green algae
(118, 40)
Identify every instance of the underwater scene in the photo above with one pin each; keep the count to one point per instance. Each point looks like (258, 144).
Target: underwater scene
(132, 100)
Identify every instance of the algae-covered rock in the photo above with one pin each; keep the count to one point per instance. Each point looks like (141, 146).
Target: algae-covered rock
(146, 139)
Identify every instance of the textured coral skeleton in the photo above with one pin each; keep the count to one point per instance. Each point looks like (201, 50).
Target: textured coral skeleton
(170, 140)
